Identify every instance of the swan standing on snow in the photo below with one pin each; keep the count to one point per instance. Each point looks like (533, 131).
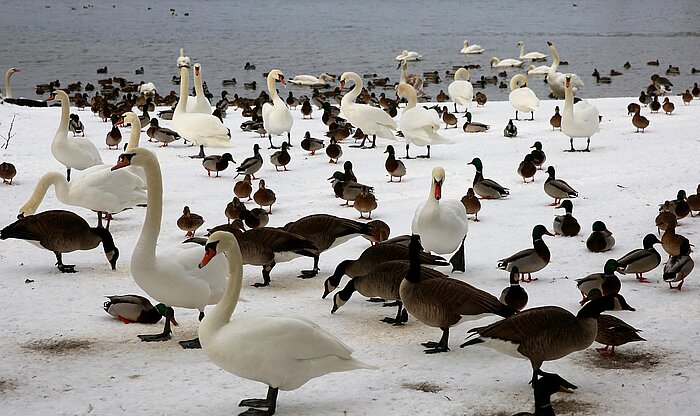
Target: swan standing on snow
(409, 56)
(281, 351)
(461, 90)
(555, 79)
(277, 118)
(580, 119)
(521, 97)
(78, 152)
(372, 120)
(419, 125)
(200, 103)
(471, 49)
(202, 129)
(530, 56)
(173, 278)
(312, 81)
(442, 225)
(497, 63)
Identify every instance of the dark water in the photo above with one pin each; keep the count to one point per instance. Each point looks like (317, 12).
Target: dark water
(364, 36)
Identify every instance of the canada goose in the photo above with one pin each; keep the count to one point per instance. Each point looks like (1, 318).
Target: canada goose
(244, 188)
(632, 108)
(557, 188)
(566, 225)
(641, 260)
(216, 163)
(527, 168)
(189, 221)
(334, 151)
(605, 283)
(62, 232)
(514, 295)
(613, 332)
(7, 172)
(250, 346)
(673, 243)
(486, 188)
(544, 387)
(383, 282)
(264, 197)
(311, 144)
(395, 167)
(538, 155)
(510, 130)
(372, 257)
(529, 260)
(233, 209)
(471, 204)
(694, 201)
(601, 239)
(677, 268)
(255, 218)
(668, 106)
(134, 308)
(445, 302)
(365, 202)
(555, 120)
(546, 333)
(251, 164)
(76, 126)
(325, 232)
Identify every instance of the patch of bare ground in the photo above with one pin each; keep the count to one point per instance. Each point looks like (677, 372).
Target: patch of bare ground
(424, 386)
(7, 385)
(564, 405)
(58, 346)
(627, 359)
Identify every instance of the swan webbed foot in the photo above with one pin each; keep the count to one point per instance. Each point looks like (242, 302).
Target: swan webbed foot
(256, 405)
(256, 412)
(423, 157)
(192, 344)
(434, 347)
(308, 274)
(457, 260)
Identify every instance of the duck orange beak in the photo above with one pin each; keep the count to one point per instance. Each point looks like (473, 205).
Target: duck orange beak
(208, 255)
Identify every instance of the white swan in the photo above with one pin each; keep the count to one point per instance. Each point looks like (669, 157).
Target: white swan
(281, 351)
(442, 225)
(183, 60)
(580, 119)
(78, 152)
(530, 56)
(277, 118)
(409, 56)
(419, 125)
(461, 90)
(8, 75)
(173, 278)
(497, 63)
(555, 79)
(414, 80)
(471, 49)
(200, 103)
(538, 70)
(312, 81)
(202, 129)
(521, 97)
(372, 120)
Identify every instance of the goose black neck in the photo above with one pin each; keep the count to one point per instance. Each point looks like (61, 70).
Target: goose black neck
(347, 291)
(414, 249)
(106, 237)
(595, 307)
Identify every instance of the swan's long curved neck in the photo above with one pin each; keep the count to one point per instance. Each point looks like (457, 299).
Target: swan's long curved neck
(568, 102)
(522, 49)
(184, 88)
(135, 135)
(555, 60)
(355, 92)
(50, 178)
(8, 90)
(412, 99)
(65, 116)
(273, 89)
(198, 88)
(404, 72)
(220, 315)
(145, 250)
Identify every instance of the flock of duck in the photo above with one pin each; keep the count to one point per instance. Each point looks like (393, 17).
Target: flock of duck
(193, 275)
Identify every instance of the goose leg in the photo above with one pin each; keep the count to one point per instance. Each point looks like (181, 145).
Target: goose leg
(266, 275)
(307, 274)
(401, 316)
(193, 343)
(440, 346)
(270, 402)
(457, 259)
(68, 174)
(64, 268)
(165, 335)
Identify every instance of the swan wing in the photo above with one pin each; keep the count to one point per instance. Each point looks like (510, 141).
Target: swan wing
(524, 99)
(461, 92)
(100, 189)
(371, 120)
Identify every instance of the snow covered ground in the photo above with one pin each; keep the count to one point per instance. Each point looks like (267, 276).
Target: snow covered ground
(63, 355)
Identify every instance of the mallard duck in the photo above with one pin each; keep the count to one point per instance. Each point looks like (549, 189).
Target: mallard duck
(639, 121)
(471, 204)
(486, 188)
(529, 260)
(514, 295)
(601, 238)
(444, 302)
(632, 108)
(538, 155)
(281, 157)
(613, 332)
(655, 105)
(233, 209)
(311, 144)
(264, 197)
(348, 172)
(448, 118)
(544, 387)
(527, 168)
(442, 97)
(671, 242)
(607, 282)
(644, 99)
(679, 206)
(395, 167)
(162, 134)
(76, 126)
(114, 137)
(251, 164)
(566, 224)
(134, 308)
(7, 172)
(694, 201)
(641, 260)
(668, 106)
(334, 151)
(557, 188)
(555, 120)
(687, 97)
(189, 221)
(510, 130)
(480, 98)
(546, 333)
(243, 189)
(217, 163)
(473, 126)
(677, 268)
(365, 202)
(665, 216)
(255, 218)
